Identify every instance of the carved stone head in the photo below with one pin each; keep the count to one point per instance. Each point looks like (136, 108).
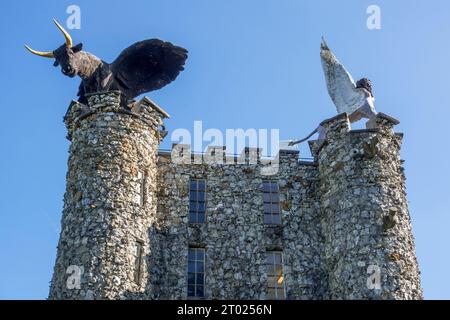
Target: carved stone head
(366, 84)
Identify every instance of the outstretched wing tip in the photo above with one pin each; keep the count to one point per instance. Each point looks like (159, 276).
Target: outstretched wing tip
(340, 84)
(150, 65)
(324, 45)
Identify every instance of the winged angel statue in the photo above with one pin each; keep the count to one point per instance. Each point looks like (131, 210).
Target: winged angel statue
(356, 99)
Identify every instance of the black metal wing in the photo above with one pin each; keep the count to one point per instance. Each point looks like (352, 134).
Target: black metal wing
(148, 65)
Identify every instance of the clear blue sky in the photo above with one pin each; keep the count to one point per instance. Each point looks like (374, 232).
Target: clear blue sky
(252, 64)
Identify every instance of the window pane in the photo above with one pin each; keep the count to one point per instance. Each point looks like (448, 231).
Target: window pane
(280, 280)
(271, 294)
(191, 291)
(201, 196)
(193, 196)
(275, 277)
(277, 258)
(278, 269)
(269, 258)
(280, 293)
(192, 217)
(200, 278)
(266, 187)
(274, 187)
(267, 208)
(191, 278)
(200, 218)
(201, 185)
(201, 207)
(275, 197)
(276, 219)
(200, 254)
(196, 275)
(266, 197)
(270, 269)
(193, 206)
(199, 291)
(275, 208)
(272, 281)
(137, 262)
(193, 185)
(267, 218)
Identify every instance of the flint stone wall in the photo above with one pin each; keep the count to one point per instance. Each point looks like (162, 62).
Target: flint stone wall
(365, 217)
(112, 149)
(345, 233)
(342, 216)
(234, 236)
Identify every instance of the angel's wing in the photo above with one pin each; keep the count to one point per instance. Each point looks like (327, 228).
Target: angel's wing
(340, 84)
(148, 65)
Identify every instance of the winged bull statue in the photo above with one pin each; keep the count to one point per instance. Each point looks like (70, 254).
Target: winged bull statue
(143, 67)
(356, 99)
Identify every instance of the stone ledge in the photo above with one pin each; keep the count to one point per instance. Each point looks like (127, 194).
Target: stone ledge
(384, 116)
(283, 151)
(115, 92)
(358, 131)
(148, 102)
(308, 163)
(335, 118)
(109, 101)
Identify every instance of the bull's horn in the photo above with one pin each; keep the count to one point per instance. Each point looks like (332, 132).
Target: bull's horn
(39, 53)
(65, 33)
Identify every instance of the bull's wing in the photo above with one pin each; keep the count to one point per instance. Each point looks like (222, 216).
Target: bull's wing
(340, 84)
(148, 65)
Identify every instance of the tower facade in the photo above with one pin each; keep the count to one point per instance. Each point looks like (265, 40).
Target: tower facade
(368, 248)
(110, 201)
(138, 225)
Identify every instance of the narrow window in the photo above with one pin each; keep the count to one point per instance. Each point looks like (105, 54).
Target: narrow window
(197, 201)
(138, 251)
(271, 201)
(196, 272)
(275, 276)
(140, 189)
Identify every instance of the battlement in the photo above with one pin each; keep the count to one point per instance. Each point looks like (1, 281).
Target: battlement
(338, 127)
(182, 153)
(109, 103)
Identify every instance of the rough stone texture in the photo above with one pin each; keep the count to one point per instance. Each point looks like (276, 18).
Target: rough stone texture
(235, 236)
(102, 218)
(365, 218)
(340, 214)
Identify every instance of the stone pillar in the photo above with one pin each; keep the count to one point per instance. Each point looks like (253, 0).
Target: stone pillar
(369, 250)
(110, 201)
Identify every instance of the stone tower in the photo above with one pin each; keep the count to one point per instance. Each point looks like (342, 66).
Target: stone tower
(110, 200)
(368, 249)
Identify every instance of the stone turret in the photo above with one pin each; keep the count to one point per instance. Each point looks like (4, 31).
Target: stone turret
(368, 249)
(110, 201)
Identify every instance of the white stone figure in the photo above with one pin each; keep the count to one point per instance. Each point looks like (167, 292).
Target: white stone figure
(355, 99)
